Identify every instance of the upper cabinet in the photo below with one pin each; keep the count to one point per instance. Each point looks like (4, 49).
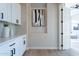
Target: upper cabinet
(16, 13)
(10, 13)
(5, 12)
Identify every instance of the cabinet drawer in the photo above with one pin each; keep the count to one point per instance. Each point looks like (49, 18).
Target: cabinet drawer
(5, 50)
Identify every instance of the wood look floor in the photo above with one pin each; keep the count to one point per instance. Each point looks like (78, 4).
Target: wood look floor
(50, 52)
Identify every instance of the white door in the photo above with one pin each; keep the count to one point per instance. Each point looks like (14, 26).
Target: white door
(66, 28)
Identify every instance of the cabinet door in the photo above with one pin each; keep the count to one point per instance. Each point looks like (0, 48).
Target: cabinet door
(17, 48)
(14, 45)
(5, 50)
(16, 13)
(5, 12)
(20, 45)
(24, 43)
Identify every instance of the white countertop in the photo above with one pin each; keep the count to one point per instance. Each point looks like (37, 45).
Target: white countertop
(8, 38)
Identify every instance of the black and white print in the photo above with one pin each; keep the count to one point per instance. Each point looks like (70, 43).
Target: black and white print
(37, 17)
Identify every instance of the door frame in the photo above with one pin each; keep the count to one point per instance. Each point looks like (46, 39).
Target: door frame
(61, 40)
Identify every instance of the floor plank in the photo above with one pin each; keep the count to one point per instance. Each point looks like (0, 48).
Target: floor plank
(49, 52)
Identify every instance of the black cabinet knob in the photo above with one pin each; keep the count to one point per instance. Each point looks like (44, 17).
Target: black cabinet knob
(24, 42)
(2, 16)
(17, 21)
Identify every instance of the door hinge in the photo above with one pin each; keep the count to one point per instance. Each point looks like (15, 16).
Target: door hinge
(61, 21)
(61, 33)
(61, 9)
(61, 45)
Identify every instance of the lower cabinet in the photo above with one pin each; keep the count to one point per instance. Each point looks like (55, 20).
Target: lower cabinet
(5, 50)
(15, 47)
(23, 44)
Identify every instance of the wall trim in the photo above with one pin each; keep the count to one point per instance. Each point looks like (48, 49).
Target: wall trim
(27, 48)
(42, 48)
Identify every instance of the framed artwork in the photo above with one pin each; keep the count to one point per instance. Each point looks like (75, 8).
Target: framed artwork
(38, 18)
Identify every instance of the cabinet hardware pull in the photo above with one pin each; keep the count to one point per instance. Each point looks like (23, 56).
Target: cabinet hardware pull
(2, 15)
(12, 44)
(17, 21)
(11, 52)
(24, 42)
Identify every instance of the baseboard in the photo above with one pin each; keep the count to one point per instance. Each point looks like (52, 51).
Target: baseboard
(27, 48)
(42, 48)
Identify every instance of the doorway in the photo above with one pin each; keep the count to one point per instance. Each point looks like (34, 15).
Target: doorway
(75, 27)
(69, 26)
(64, 27)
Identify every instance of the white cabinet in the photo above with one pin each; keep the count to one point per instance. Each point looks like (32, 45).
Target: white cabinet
(20, 45)
(16, 13)
(13, 47)
(16, 47)
(10, 13)
(23, 44)
(5, 50)
(5, 12)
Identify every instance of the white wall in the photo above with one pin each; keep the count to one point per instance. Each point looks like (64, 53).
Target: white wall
(75, 17)
(44, 40)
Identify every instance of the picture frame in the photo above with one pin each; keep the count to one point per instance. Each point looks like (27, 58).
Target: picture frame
(38, 18)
